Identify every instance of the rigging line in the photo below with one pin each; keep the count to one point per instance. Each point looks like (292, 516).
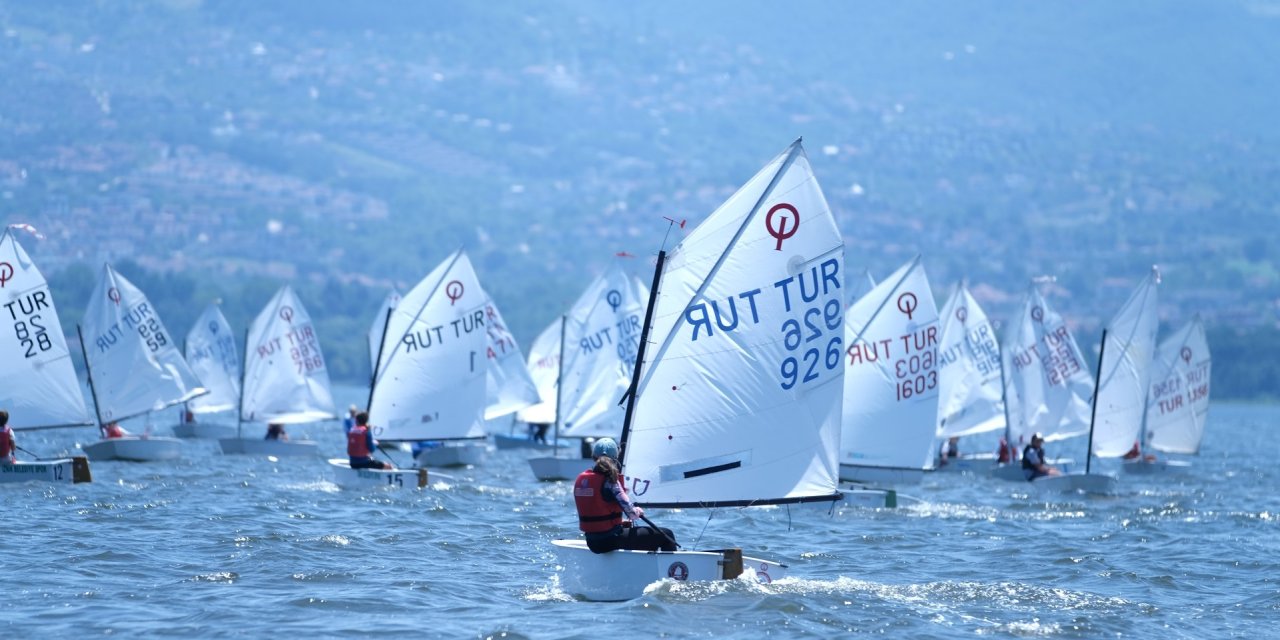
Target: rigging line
(710, 514)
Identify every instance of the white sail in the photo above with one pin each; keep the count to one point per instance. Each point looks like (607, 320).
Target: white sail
(602, 336)
(430, 382)
(970, 400)
(739, 400)
(1126, 371)
(134, 363)
(285, 379)
(508, 385)
(1178, 404)
(212, 355)
(379, 325)
(36, 373)
(1047, 384)
(890, 406)
(544, 369)
(861, 286)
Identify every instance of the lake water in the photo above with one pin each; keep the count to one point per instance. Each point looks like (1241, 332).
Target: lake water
(216, 545)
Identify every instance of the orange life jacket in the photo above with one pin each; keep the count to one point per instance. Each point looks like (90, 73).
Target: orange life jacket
(595, 513)
(358, 442)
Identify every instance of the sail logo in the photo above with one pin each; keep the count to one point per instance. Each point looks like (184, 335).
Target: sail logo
(454, 291)
(6, 273)
(635, 487)
(614, 298)
(1186, 355)
(113, 295)
(908, 303)
(286, 314)
(962, 314)
(1037, 314)
(213, 328)
(782, 232)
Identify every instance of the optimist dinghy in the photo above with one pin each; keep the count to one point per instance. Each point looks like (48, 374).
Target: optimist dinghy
(738, 404)
(1178, 404)
(134, 368)
(211, 352)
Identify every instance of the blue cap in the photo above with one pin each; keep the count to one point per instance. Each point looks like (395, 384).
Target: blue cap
(605, 447)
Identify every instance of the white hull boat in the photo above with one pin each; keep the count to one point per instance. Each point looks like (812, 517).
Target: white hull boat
(452, 455)
(204, 430)
(503, 442)
(880, 475)
(1154, 467)
(1095, 483)
(347, 478)
(262, 447)
(551, 469)
(875, 498)
(1014, 472)
(975, 463)
(624, 575)
(135, 449)
(64, 471)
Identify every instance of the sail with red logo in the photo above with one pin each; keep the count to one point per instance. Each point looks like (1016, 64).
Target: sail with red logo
(1178, 404)
(735, 398)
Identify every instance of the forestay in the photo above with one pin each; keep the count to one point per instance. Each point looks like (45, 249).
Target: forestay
(431, 378)
(602, 336)
(544, 370)
(739, 400)
(1178, 404)
(36, 372)
(1047, 384)
(891, 377)
(970, 400)
(508, 385)
(1126, 371)
(213, 357)
(286, 380)
(132, 358)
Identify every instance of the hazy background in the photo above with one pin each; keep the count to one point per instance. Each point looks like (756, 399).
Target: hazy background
(216, 150)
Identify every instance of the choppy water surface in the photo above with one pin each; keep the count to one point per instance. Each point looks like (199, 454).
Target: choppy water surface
(216, 545)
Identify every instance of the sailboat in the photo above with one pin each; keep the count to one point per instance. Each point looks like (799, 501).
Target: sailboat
(211, 353)
(890, 385)
(1129, 345)
(36, 374)
(1048, 387)
(1178, 403)
(134, 368)
(285, 380)
(738, 401)
(430, 382)
(970, 392)
(600, 337)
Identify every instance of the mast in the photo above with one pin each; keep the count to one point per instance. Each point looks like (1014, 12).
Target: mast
(373, 377)
(555, 434)
(97, 412)
(644, 341)
(1093, 414)
(244, 372)
(1004, 399)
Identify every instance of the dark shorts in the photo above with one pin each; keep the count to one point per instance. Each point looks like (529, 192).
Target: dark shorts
(367, 463)
(635, 538)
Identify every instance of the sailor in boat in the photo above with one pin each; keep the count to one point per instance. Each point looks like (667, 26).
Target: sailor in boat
(949, 450)
(113, 430)
(601, 498)
(275, 431)
(1136, 454)
(360, 445)
(1005, 453)
(540, 432)
(350, 420)
(1033, 460)
(8, 444)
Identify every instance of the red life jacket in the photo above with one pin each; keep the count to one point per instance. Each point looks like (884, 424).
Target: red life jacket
(114, 431)
(358, 442)
(6, 436)
(595, 514)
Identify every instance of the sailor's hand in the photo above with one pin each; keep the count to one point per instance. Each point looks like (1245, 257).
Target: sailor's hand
(639, 512)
